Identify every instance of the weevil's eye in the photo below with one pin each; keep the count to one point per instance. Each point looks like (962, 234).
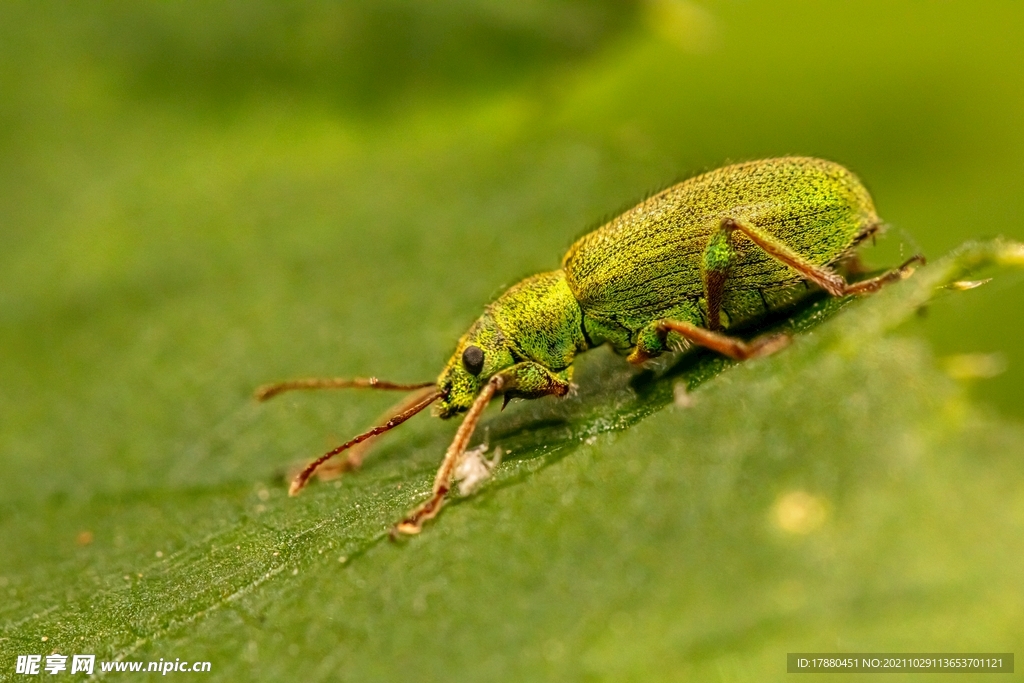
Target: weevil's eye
(473, 359)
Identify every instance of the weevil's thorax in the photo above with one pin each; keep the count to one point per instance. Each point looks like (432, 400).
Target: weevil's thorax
(536, 320)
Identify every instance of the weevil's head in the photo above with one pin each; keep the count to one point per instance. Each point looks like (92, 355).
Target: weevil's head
(481, 353)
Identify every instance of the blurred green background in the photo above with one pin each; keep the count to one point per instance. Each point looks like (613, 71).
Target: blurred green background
(198, 197)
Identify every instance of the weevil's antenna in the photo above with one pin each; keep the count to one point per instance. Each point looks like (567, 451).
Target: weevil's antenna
(268, 391)
(300, 480)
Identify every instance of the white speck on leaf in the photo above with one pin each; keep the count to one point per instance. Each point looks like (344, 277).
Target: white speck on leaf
(681, 395)
(473, 469)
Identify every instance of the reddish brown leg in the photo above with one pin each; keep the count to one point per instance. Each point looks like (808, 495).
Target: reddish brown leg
(827, 279)
(724, 344)
(413, 523)
(300, 480)
(895, 275)
(354, 457)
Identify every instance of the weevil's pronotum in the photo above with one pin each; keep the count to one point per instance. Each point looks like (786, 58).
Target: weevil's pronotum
(681, 268)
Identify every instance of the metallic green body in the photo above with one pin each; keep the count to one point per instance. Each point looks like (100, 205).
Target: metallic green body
(651, 264)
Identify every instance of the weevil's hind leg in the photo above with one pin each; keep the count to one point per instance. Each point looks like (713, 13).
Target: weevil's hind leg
(715, 267)
(353, 459)
(824, 277)
(413, 522)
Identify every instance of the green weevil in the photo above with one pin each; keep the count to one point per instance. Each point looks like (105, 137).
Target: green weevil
(683, 267)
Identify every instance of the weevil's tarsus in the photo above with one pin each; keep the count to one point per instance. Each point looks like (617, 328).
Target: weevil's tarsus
(354, 457)
(870, 285)
(413, 523)
(300, 480)
(268, 391)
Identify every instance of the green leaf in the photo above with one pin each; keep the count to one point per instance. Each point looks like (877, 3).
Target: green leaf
(199, 198)
(841, 495)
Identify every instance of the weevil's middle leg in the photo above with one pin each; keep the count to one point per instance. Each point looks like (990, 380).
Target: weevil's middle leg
(733, 347)
(652, 341)
(716, 263)
(715, 266)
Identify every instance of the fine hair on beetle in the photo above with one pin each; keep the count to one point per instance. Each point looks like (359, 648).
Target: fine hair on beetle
(695, 263)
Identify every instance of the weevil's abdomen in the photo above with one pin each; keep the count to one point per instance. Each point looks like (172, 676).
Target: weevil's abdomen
(645, 265)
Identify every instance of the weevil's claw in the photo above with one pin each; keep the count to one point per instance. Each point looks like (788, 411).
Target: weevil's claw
(504, 402)
(906, 269)
(267, 391)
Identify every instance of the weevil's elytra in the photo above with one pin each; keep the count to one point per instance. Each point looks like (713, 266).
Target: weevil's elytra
(682, 267)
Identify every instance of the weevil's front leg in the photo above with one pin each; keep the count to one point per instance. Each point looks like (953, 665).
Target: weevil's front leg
(526, 380)
(353, 459)
(413, 523)
(533, 380)
(826, 278)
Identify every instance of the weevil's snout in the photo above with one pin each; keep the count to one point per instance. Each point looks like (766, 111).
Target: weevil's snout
(457, 396)
(458, 389)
